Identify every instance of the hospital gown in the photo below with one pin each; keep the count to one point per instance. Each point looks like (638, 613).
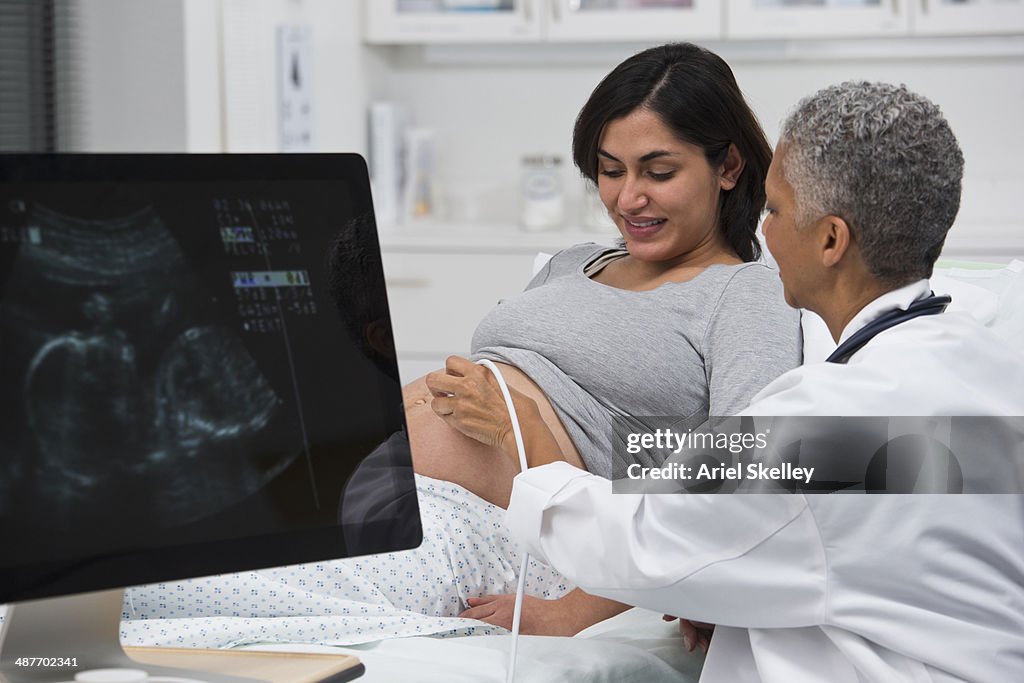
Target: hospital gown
(466, 552)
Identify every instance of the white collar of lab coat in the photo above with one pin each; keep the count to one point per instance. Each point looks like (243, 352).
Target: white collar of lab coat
(898, 298)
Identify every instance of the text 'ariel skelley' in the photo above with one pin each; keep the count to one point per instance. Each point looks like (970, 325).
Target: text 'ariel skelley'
(705, 472)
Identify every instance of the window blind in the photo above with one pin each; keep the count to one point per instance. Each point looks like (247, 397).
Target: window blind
(37, 75)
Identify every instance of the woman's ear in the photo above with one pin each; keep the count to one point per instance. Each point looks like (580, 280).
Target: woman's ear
(730, 170)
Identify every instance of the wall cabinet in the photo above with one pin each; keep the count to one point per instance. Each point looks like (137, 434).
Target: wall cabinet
(451, 21)
(437, 300)
(964, 17)
(816, 18)
(584, 20)
(511, 21)
(871, 18)
(568, 21)
(441, 281)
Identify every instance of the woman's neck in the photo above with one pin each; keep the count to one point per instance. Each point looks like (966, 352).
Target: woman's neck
(708, 253)
(636, 274)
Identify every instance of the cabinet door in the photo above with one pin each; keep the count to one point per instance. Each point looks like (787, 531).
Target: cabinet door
(452, 21)
(644, 20)
(948, 17)
(438, 299)
(816, 18)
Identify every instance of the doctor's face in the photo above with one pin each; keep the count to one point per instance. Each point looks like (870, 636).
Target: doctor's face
(787, 240)
(660, 191)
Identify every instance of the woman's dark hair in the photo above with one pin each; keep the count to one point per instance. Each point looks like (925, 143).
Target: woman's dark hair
(354, 277)
(695, 94)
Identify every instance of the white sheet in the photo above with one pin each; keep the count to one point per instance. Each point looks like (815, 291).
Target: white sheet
(633, 647)
(466, 552)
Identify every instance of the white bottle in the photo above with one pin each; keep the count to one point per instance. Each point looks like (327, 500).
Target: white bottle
(542, 200)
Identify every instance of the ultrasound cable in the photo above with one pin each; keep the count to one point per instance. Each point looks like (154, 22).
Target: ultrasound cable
(521, 586)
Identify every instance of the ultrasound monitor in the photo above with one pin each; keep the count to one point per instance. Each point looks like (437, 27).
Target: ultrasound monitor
(187, 383)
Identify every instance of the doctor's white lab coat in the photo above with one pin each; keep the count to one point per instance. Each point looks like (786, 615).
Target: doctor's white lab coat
(836, 588)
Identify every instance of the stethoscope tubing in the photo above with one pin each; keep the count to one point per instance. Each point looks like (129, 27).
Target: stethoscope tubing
(930, 305)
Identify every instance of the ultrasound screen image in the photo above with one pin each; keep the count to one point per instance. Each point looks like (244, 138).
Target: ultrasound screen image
(173, 367)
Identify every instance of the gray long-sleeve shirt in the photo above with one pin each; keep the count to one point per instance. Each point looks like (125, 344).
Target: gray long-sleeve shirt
(686, 349)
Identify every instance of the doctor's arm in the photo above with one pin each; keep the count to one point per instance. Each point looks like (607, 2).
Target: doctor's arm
(735, 559)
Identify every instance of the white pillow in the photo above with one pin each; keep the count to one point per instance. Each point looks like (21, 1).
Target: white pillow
(993, 295)
(539, 261)
(1004, 289)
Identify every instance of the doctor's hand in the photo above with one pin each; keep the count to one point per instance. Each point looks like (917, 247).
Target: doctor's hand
(468, 398)
(540, 617)
(695, 633)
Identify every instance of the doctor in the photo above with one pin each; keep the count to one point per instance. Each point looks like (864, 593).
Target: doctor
(863, 187)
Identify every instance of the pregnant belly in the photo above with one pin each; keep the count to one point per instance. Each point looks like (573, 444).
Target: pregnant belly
(442, 452)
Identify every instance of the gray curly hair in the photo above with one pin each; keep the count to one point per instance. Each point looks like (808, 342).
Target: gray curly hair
(885, 160)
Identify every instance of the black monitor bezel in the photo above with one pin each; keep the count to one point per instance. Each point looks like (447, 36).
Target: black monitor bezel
(156, 564)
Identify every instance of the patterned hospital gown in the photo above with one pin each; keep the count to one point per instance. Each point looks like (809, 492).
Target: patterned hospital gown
(466, 552)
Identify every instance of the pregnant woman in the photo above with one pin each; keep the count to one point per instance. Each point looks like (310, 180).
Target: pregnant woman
(678, 318)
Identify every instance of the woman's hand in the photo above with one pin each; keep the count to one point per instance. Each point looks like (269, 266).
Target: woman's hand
(540, 617)
(695, 633)
(468, 398)
(566, 616)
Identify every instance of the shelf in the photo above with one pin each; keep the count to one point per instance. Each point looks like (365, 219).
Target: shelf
(736, 51)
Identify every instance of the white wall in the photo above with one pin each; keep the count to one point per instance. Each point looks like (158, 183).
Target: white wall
(982, 98)
(155, 83)
(489, 115)
(201, 75)
(340, 73)
(132, 65)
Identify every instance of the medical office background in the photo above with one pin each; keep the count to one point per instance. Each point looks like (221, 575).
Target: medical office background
(482, 94)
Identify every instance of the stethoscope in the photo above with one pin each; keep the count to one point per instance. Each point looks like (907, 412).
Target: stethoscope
(930, 305)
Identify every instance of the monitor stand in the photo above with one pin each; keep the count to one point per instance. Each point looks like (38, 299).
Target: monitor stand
(56, 638)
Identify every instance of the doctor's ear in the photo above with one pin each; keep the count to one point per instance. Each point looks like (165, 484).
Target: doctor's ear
(836, 237)
(730, 170)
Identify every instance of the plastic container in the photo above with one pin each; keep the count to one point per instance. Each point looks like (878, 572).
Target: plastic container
(542, 204)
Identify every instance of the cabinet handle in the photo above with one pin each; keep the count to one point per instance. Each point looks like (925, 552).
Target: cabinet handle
(556, 9)
(407, 282)
(924, 6)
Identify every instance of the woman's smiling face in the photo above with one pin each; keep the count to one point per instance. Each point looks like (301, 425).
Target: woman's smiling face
(660, 191)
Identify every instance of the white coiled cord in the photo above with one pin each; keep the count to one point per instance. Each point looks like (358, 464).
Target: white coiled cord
(521, 586)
